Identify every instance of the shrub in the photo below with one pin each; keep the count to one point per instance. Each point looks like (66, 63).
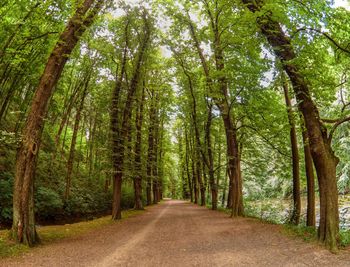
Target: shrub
(127, 197)
(47, 203)
(345, 237)
(6, 188)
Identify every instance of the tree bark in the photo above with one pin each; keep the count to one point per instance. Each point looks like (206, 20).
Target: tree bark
(23, 227)
(212, 182)
(188, 151)
(151, 149)
(295, 218)
(322, 154)
(138, 153)
(310, 180)
(155, 186)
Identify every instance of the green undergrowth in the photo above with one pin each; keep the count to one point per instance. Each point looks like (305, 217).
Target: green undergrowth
(52, 233)
(345, 238)
(220, 208)
(307, 233)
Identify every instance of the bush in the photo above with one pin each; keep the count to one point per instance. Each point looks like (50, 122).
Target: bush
(47, 203)
(87, 200)
(271, 212)
(345, 237)
(6, 188)
(127, 197)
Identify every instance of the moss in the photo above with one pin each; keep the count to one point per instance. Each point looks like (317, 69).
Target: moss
(52, 233)
(8, 248)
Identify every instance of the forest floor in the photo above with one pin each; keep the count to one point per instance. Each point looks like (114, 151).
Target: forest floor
(177, 233)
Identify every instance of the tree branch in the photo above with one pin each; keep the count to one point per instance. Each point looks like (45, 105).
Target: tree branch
(325, 35)
(335, 126)
(267, 141)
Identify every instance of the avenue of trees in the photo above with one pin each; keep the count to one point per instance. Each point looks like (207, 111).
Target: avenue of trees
(107, 105)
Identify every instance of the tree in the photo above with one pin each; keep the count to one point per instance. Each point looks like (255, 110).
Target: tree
(320, 142)
(138, 152)
(23, 227)
(295, 218)
(120, 134)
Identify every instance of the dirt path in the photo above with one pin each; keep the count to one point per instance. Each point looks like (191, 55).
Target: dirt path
(177, 233)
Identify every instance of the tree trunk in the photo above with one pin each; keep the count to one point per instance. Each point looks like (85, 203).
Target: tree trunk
(194, 170)
(8, 98)
(156, 152)
(151, 152)
(92, 138)
(322, 154)
(67, 112)
(212, 182)
(200, 180)
(138, 153)
(116, 131)
(295, 218)
(74, 139)
(233, 166)
(121, 136)
(23, 227)
(310, 181)
(229, 191)
(190, 184)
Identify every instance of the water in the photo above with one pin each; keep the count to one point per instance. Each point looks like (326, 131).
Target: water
(279, 210)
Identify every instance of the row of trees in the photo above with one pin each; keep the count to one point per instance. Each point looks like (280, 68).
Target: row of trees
(95, 117)
(221, 64)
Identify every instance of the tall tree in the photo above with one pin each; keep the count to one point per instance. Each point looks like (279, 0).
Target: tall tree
(120, 135)
(138, 152)
(295, 218)
(219, 91)
(75, 135)
(310, 179)
(23, 227)
(320, 142)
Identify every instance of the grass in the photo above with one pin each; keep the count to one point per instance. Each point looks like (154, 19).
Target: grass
(8, 248)
(52, 233)
(307, 233)
(345, 238)
(219, 208)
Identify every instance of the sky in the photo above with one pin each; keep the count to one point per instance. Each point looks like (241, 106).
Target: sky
(343, 3)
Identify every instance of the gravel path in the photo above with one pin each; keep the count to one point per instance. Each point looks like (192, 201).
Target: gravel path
(177, 233)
